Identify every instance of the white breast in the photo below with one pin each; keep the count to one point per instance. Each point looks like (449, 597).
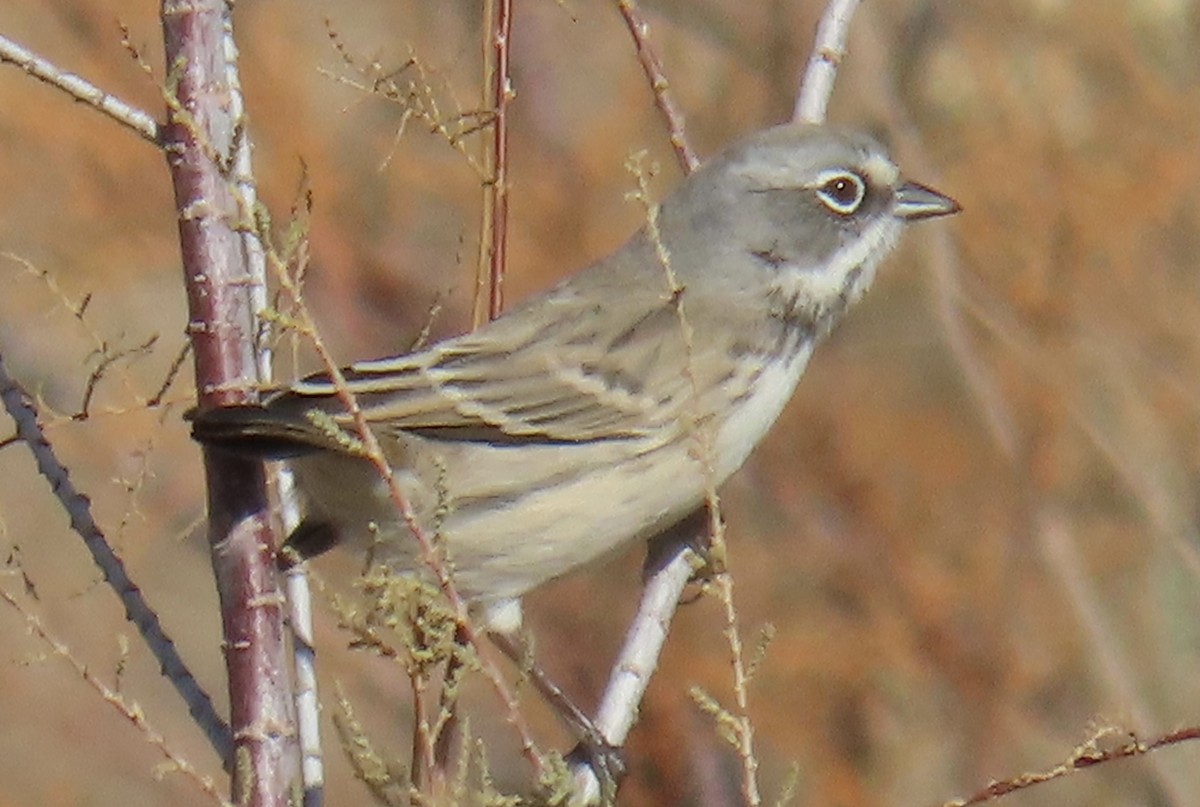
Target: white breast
(742, 430)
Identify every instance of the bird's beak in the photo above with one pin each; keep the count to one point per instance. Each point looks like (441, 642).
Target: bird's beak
(915, 202)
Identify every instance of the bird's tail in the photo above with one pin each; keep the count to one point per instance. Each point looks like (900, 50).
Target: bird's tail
(256, 431)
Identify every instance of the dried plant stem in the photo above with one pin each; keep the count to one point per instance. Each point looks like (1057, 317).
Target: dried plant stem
(80, 89)
(1062, 557)
(202, 139)
(493, 243)
(131, 711)
(647, 633)
(373, 452)
(639, 29)
(426, 777)
(828, 51)
(78, 507)
(741, 692)
(1083, 757)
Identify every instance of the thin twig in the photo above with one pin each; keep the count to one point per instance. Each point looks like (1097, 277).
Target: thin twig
(373, 452)
(131, 711)
(418, 98)
(1084, 757)
(639, 654)
(1062, 557)
(80, 89)
(425, 774)
(173, 370)
(78, 310)
(78, 507)
(639, 29)
(741, 692)
(108, 358)
(495, 243)
(827, 54)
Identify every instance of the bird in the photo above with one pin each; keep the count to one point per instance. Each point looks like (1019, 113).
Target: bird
(607, 408)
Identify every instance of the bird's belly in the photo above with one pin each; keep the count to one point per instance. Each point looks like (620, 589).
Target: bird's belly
(509, 517)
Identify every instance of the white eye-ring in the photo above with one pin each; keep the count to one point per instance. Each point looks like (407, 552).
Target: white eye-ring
(841, 191)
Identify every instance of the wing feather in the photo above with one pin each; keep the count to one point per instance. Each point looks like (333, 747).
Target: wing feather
(586, 375)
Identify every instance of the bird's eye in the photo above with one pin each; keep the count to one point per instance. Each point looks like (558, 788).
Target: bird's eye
(842, 192)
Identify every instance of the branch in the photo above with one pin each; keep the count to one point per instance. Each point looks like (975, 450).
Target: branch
(80, 89)
(648, 632)
(131, 711)
(639, 29)
(202, 140)
(1083, 757)
(78, 507)
(828, 52)
(498, 78)
(638, 657)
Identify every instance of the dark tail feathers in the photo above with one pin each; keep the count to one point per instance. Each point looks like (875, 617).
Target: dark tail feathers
(256, 432)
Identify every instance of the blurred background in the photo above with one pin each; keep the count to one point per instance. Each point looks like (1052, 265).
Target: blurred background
(974, 528)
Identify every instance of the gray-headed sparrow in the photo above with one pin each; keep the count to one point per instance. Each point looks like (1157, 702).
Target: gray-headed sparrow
(604, 409)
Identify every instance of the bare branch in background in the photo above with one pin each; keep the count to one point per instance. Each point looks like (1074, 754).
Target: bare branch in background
(1106, 745)
(639, 29)
(78, 507)
(493, 242)
(80, 89)
(828, 51)
(130, 711)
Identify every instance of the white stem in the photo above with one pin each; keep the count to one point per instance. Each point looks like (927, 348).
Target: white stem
(828, 52)
(636, 662)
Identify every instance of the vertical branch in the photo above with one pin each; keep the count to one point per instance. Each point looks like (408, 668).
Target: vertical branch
(299, 595)
(503, 93)
(498, 92)
(200, 139)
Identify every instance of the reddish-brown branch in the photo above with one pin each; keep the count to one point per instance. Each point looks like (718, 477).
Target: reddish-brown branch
(1084, 757)
(201, 138)
(502, 93)
(639, 29)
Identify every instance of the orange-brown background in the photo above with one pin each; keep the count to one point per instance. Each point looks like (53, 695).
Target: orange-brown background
(974, 528)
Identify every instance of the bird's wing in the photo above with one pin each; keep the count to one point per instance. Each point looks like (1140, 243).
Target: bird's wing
(571, 374)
